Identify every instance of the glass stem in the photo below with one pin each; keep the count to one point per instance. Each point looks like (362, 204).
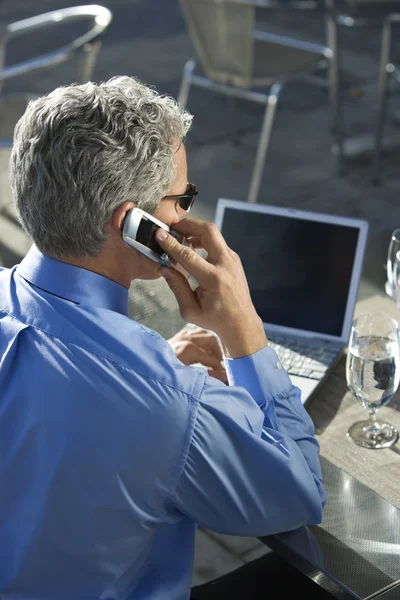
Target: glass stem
(372, 420)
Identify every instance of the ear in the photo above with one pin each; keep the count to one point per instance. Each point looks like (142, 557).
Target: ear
(119, 215)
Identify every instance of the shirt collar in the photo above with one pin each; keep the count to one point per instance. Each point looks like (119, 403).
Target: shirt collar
(73, 283)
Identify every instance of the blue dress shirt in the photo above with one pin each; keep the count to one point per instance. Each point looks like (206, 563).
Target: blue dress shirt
(111, 450)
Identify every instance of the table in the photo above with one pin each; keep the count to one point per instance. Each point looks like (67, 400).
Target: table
(355, 552)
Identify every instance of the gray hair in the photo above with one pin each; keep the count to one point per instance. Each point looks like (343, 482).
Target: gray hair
(82, 151)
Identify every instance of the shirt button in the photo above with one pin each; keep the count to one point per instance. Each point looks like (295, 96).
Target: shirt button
(278, 365)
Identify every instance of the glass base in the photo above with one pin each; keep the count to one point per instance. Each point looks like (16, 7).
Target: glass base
(377, 435)
(388, 289)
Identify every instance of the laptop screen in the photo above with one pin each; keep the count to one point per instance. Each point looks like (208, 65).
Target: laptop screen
(299, 271)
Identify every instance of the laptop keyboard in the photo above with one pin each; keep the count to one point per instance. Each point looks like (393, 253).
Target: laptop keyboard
(302, 357)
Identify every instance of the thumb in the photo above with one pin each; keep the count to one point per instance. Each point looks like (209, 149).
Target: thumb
(178, 284)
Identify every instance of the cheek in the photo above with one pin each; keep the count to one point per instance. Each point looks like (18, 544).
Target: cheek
(167, 213)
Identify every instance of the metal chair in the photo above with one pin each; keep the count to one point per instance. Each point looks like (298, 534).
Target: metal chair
(87, 45)
(362, 13)
(236, 59)
(388, 72)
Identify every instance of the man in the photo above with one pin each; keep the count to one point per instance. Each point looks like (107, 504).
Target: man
(112, 450)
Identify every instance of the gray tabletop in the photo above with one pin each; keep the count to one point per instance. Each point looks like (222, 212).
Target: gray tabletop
(355, 552)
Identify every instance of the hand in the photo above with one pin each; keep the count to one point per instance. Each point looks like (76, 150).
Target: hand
(199, 346)
(222, 302)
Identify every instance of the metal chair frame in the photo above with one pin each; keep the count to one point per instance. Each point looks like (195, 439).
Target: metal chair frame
(333, 19)
(88, 44)
(387, 72)
(270, 99)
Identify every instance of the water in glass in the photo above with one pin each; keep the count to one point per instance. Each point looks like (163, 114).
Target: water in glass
(373, 376)
(373, 371)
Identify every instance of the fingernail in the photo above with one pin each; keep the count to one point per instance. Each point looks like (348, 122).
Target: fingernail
(161, 234)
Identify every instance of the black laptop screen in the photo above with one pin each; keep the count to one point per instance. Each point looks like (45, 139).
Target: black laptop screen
(299, 271)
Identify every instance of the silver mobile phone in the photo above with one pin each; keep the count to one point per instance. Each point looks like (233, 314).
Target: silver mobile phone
(139, 231)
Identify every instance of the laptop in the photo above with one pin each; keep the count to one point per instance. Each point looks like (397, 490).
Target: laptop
(303, 270)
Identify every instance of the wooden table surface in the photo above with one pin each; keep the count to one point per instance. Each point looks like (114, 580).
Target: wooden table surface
(334, 409)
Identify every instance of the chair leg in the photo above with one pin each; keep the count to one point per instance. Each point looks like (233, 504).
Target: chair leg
(2, 58)
(186, 82)
(263, 144)
(335, 87)
(233, 120)
(382, 99)
(88, 61)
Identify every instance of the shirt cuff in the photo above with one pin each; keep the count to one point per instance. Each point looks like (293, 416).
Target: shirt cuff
(261, 374)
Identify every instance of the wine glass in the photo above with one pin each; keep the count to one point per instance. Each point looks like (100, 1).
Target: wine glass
(373, 374)
(396, 280)
(394, 248)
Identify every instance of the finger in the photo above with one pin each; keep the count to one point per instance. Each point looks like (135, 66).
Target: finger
(196, 242)
(184, 334)
(178, 284)
(209, 235)
(185, 256)
(208, 341)
(218, 374)
(216, 348)
(195, 354)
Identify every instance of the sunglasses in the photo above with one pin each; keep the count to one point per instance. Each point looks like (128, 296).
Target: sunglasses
(185, 200)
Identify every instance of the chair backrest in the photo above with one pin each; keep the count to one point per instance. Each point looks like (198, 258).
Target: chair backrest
(87, 44)
(364, 9)
(222, 34)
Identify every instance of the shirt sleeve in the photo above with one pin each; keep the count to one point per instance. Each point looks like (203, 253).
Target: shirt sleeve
(252, 466)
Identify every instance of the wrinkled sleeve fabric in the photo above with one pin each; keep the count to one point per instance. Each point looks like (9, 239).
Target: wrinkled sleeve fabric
(252, 465)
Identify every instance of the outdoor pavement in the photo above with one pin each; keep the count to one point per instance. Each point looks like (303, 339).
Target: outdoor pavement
(148, 39)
